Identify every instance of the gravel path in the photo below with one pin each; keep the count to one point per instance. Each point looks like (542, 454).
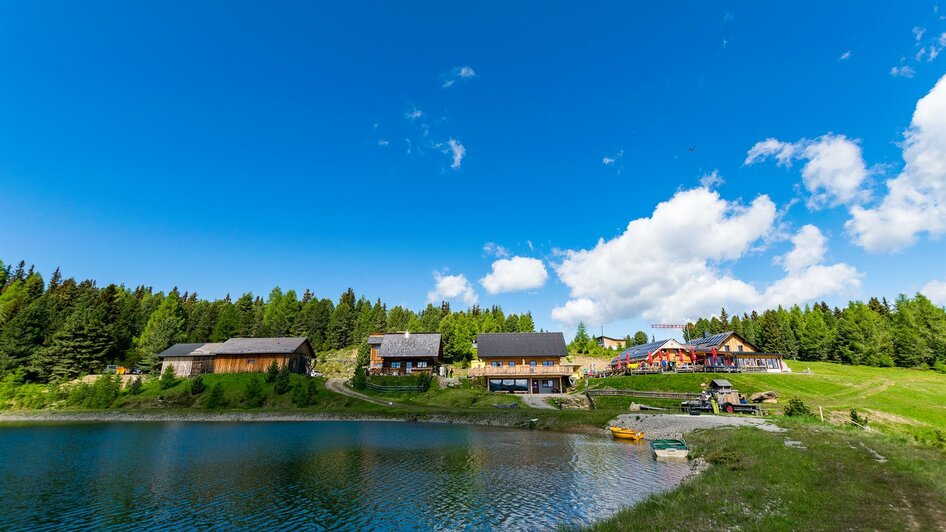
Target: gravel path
(538, 400)
(337, 385)
(657, 426)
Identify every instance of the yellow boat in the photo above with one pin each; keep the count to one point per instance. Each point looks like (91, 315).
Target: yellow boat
(626, 434)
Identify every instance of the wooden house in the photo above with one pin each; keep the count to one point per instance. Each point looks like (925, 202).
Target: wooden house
(238, 355)
(405, 353)
(659, 354)
(732, 352)
(610, 343)
(522, 362)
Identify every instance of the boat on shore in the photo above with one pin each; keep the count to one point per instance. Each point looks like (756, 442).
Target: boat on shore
(626, 434)
(670, 448)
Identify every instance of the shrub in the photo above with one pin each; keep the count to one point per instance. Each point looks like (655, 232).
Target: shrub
(253, 395)
(281, 385)
(797, 408)
(135, 387)
(215, 399)
(857, 419)
(167, 380)
(359, 380)
(100, 394)
(272, 372)
(198, 386)
(303, 394)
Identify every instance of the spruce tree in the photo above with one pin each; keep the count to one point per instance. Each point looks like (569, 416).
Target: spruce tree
(79, 347)
(165, 327)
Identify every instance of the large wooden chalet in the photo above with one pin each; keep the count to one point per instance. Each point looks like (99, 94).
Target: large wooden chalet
(652, 355)
(405, 353)
(522, 362)
(724, 352)
(238, 355)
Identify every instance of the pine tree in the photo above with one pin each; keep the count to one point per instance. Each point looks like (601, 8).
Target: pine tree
(582, 342)
(526, 323)
(79, 347)
(228, 325)
(165, 328)
(640, 338)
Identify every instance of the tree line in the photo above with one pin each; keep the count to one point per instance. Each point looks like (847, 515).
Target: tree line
(64, 328)
(909, 333)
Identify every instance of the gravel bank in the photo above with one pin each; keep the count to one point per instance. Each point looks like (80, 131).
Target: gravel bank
(656, 426)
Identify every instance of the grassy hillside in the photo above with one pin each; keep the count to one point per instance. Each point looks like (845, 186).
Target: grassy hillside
(900, 400)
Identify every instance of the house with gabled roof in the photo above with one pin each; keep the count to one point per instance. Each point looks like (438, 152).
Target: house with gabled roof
(238, 355)
(522, 362)
(730, 351)
(405, 353)
(653, 354)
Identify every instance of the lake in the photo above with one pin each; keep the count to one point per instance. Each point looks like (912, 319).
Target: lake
(316, 475)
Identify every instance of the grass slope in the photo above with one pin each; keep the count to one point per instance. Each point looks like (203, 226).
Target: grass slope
(756, 482)
(896, 399)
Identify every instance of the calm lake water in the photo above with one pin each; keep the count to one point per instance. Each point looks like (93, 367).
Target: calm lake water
(316, 475)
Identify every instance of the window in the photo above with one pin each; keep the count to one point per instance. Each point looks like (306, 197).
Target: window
(726, 348)
(548, 363)
(396, 365)
(548, 383)
(512, 363)
(422, 364)
(250, 361)
(532, 363)
(740, 349)
(495, 364)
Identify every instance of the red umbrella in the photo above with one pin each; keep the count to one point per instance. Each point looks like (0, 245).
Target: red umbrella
(650, 358)
(692, 355)
(715, 357)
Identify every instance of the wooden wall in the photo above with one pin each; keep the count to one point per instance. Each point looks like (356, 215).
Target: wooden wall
(247, 363)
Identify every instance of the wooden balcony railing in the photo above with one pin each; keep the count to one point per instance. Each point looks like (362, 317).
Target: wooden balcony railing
(520, 370)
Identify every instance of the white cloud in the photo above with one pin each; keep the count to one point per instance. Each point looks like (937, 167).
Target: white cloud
(671, 265)
(458, 73)
(711, 180)
(935, 291)
(496, 250)
(458, 152)
(515, 274)
(609, 160)
(918, 33)
(451, 287)
(414, 114)
(902, 71)
(845, 56)
(383, 142)
(916, 198)
(834, 172)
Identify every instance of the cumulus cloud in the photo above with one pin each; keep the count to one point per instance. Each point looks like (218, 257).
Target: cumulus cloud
(451, 287)
(515, 274)
(458, 73)
(711, 180)
(834, 171)
(671, 266)
(916, 199)
(935, 291)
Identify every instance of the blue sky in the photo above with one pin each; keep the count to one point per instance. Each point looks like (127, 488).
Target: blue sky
(230, 146)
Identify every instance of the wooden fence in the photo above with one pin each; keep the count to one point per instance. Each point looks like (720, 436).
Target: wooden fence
(400, 388)
(644, 394)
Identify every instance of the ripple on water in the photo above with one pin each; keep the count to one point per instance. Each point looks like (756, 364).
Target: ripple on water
(317, 475)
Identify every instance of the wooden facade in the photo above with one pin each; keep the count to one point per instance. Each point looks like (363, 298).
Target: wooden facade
(255, 363)
(522, 362)
(238, 355)
(404, 353)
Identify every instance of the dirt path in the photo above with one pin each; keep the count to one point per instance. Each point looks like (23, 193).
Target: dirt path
(337, 385)
(538, 400)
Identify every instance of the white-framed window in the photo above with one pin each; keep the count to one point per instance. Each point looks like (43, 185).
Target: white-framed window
(396, 365)
(512, 363)
(422, 364)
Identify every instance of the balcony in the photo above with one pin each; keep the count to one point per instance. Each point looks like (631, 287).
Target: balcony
(521, 371)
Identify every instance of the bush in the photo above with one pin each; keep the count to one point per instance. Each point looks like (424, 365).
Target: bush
(281, 385)
(303, 394)
(272, 372)
(135, 387)
(253, 395)
(797, 408)
(198, 386)
(857, 419)
(359, 380)
(215, 399)
(100, 394)
(167, 380)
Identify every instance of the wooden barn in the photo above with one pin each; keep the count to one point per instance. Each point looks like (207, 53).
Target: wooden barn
(238, 355)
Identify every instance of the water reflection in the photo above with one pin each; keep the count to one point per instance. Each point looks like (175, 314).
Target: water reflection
(317, 475)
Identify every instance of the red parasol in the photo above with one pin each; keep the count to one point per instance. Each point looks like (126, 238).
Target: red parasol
(650, 358)
(715, 357)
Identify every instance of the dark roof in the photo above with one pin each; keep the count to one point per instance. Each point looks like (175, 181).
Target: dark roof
(410, 345)
(375, 339)
(710, 340)
(640, 351)
(180, 350)
(550, 344)
(609, 338)
(720, 383)
(250, 346)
